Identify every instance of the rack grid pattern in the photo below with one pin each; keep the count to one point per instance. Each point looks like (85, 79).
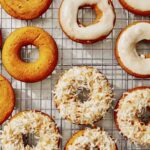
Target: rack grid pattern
(101, 55)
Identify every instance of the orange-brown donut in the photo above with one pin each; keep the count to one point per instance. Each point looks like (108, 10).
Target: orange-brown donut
(35, 71)
(92, 34)
(7, 99)
(136, 10)
(134, 120)
(25, 9)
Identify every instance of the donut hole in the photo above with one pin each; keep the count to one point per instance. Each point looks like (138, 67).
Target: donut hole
(144, 116)
(83, 94)
(29, 53)
(30, 140)
(143, 48)
(88, 15)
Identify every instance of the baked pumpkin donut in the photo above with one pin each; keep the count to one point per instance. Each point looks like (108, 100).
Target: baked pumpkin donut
(126, 53)
(130, 106)
(30, 122)
(83, 95)
(7, 99)
(91, 139)
(139, 7)
(98, 30)
(35, 71)
(25, 9)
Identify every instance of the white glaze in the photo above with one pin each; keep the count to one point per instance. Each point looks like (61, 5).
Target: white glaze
(68, 19)
(127, 48)
(127, 120)
(142, 5)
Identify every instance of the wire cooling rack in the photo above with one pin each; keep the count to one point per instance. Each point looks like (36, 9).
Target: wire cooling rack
(101, 55)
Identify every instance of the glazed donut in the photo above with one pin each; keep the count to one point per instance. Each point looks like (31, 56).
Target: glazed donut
(94, 32)
(129, 106)
(35, 71)
(137, 6)
(0, 39)
(33, 122)
(72, 105)
(7, 99)
(27, 9)
(126, 53)
(91, 139)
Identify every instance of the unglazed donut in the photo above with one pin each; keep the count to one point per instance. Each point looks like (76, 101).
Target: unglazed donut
(70, 104)
(26, 9)
(139, 7)
(94, 32)
(35, 71)
(91, 139)
(32, 122)
(129, 106)
(7, 99)
(126, 53)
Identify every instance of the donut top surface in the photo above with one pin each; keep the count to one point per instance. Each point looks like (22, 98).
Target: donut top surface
(25, 9)
(36, 123)
(7, 99)
(71, 27)
(70, 105)
(142, 5)
(91, 139)
(130, 105)
(126, 49)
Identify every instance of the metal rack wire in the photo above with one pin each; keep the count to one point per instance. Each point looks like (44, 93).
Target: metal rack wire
(101, 55)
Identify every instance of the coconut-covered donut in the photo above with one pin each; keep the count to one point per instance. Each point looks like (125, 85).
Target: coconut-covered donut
(33, 71)
(129, 107)
(7, 99)
(139, 7)
(98, 30)
(26, 9)
(83, 95)
(30, 122)
(91, 139)
(126, 53)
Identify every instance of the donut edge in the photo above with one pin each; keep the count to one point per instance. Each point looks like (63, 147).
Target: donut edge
(13, 100)
(0, 39)
(76, 135)
(134, 10)
(117, 106)
(118, 57)
(14, 14)
(89, 41)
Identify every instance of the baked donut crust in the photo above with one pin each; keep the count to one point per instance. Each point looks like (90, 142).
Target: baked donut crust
(7, 99)
(118, 58)
(47, 125)
(82, 132)
(99, 14)
(34, 71)
(134, 10)
(27, 9)
(117, 108)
